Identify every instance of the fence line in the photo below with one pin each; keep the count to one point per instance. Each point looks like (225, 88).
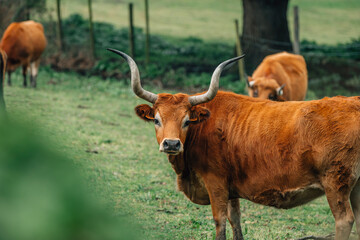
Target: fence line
(131, 31)
(296, 42)
(239, 51)
(328, 52)
(264, 40)
(147, 31)
(247, 39)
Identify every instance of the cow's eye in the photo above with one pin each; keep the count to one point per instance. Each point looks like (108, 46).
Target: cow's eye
(157, 122)
(186, 123)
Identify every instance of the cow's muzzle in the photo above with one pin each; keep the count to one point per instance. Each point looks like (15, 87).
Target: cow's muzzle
(171, 146)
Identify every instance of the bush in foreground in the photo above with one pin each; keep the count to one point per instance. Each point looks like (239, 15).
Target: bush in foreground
(42, 195)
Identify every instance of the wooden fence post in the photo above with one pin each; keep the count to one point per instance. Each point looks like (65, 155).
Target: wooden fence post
(131, 31)
(28, 9)
(59, 26)
(147, 43)
(296, 43)
(91, 27)
(239, 50)
(2, 78)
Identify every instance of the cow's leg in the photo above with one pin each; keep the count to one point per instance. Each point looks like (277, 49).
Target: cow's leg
(24, 72)
(219, 197)
(31, 74)
(219, 209)
(9, 78)
(233, 215)
(339, 201)
(34, 67)
(355, 204)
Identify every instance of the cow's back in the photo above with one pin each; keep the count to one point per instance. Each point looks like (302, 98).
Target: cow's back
(263, 146)
(23, 42)
(286, 68)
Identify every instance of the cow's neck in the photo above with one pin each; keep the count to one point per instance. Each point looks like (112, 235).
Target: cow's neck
(188, 181)
(177, 163)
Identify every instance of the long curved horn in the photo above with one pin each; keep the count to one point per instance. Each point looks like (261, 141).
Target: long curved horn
(135, 78)
(214, 84)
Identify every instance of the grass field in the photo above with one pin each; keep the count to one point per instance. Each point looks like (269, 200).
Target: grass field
(93, 122)
(324, 21)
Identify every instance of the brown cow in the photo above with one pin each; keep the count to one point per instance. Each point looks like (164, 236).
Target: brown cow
(280, 77)
(225, 146)
(24, 43)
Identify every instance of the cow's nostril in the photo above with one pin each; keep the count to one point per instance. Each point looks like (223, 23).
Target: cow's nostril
(170, 145)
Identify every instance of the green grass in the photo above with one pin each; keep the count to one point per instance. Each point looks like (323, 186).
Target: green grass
(324, 21)
(93, 122)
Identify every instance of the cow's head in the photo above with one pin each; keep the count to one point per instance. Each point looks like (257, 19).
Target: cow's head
(173, 114)
(265, 88)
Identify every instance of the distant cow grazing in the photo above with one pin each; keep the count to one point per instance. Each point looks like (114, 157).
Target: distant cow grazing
(280, 77)
(24, 42)
(225, 146)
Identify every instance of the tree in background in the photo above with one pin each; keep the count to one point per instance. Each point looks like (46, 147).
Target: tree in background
(265, 30)
(24, 8)
(18, 10)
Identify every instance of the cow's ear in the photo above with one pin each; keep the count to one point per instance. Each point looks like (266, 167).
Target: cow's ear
(145, 112)
(199, 114)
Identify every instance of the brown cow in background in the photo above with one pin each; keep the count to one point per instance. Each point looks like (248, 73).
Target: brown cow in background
(24, 42)
(280, 77)
(225, 146)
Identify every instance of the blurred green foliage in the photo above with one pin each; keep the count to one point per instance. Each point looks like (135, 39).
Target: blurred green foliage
(349, 50)
(184, 57)
(43, 196)
(330, 76)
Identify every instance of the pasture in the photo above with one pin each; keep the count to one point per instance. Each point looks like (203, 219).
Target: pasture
(91, 119)
(213, 20)
(93, 122)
